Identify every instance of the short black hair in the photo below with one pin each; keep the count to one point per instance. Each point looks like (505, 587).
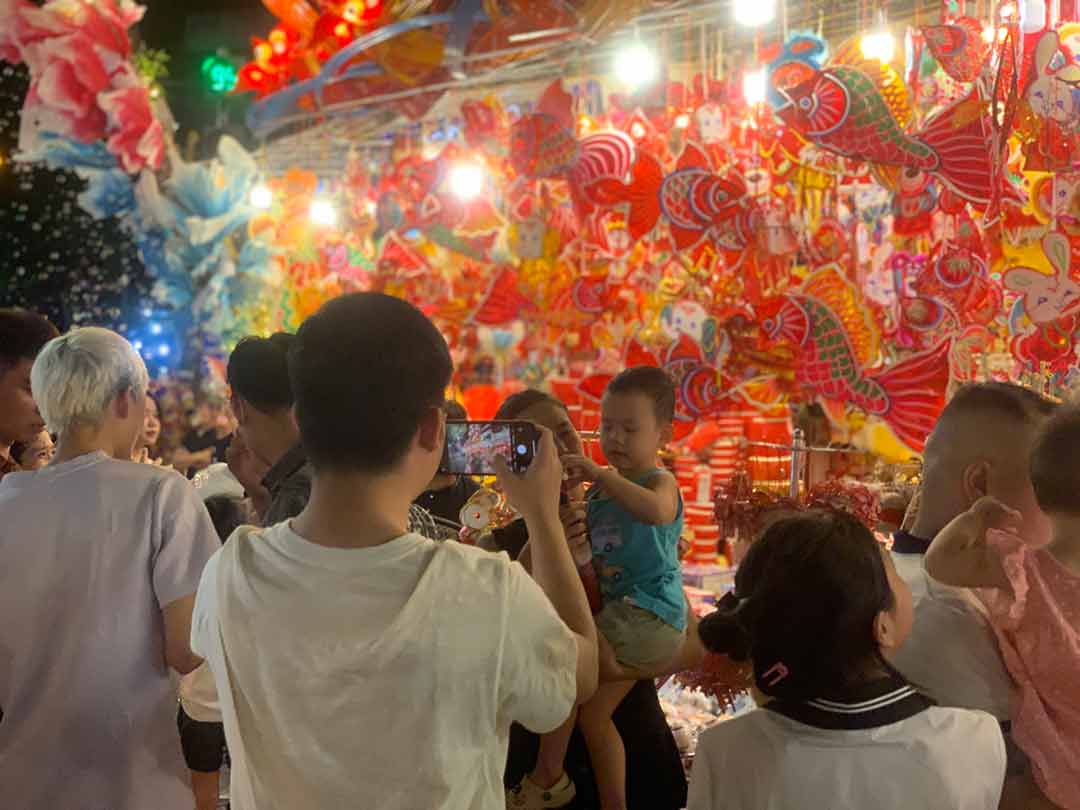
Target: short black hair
(455, 410)
(22, 335)
(1055, 471)
(517, 403)
(652, 382)
(258, 372)
(1014, 402)
(227, 514)
(805, 601)
(365, 369)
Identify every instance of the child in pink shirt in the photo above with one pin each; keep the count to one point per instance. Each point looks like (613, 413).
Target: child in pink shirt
(1033, 598)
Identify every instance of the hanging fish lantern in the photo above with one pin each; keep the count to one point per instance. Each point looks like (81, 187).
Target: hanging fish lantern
(842, 108)
(958, 47)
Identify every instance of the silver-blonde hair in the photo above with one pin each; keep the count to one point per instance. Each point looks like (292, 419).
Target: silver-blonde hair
(77, 376)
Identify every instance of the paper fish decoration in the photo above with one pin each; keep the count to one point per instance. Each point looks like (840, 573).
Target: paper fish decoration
(843, 109)
(959, 47)
(696, 202)
(836, 345)
(543, 144)
(803, 55)
(503, 301)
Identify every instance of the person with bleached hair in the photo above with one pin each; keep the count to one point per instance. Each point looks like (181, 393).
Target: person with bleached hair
(100, 559)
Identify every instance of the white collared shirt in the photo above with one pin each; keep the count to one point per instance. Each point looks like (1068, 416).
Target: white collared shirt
(936, 759)
(951, 654)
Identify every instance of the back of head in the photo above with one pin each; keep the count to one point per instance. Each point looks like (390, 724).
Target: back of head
(806, 598)
(517, 403)
(977, 408)
(991, 422)
(77, 376)
(365, 369)
(651, 382)
(22, 335)
(1055, 463)
(259, 372)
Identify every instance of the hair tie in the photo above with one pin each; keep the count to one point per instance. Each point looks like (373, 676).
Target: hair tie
(777, 671)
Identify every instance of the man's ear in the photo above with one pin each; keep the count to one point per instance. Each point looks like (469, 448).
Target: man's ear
(976, 481)
(123, 403)
(432, 434)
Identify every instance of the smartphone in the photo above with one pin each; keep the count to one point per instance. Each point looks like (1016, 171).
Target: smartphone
(471, 447)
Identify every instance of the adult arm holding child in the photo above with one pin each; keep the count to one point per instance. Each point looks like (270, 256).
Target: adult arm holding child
(960, 555)
(536, 496)
(656, 502)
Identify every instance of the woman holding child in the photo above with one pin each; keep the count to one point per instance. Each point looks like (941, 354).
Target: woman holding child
(654, 776)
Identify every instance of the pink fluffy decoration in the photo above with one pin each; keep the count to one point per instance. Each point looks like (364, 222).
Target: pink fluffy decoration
(82, 83)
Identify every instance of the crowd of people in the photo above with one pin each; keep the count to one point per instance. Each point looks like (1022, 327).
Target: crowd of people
(298, 612)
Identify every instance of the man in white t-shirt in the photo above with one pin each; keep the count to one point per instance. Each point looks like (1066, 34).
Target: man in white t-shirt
(980, 446)
(99, 561)
(361, 666)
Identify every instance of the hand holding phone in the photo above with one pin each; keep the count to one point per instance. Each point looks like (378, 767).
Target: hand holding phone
(472, 447)
(534, 494)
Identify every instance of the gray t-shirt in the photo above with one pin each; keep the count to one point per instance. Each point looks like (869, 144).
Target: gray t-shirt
(90, 552)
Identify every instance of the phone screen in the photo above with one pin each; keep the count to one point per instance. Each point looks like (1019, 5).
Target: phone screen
(471, 447)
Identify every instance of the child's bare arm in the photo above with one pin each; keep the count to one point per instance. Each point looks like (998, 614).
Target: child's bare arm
(655, 503)
(960, 556)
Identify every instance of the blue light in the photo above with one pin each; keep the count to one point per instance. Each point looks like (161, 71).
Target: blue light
(163, 350)
(155, 329)
(147, 312)
(138, 345)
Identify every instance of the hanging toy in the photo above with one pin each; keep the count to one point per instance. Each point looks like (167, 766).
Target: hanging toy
(1051, 302)
(958, 47)
(484, 511)
(836, 345)
(842, 108)
(697, 203)
(543, 144)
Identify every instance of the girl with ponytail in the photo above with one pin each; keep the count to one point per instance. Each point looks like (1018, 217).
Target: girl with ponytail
(818, 610)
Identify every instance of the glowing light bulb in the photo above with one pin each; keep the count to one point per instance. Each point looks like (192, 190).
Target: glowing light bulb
(682, 121)
(164, 351)
(754, 85)
(155, 329)
(637, 131)
(636, 65)
(467, 180)
(988, 34)
(323, 212)
(880, 45)
(755, 13)
(262, 197)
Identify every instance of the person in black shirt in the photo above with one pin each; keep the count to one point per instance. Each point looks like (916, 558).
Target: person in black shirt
(655, 776)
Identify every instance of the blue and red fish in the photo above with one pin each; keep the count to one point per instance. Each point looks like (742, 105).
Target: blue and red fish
(697, 203)
(842, 108)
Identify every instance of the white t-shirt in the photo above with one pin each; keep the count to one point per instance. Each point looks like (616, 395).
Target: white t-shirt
(951, 654)
(91, 550)
(198, 695)
(938, 759)
(380, 677)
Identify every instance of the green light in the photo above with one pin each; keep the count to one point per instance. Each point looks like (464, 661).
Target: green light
(219, 74)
